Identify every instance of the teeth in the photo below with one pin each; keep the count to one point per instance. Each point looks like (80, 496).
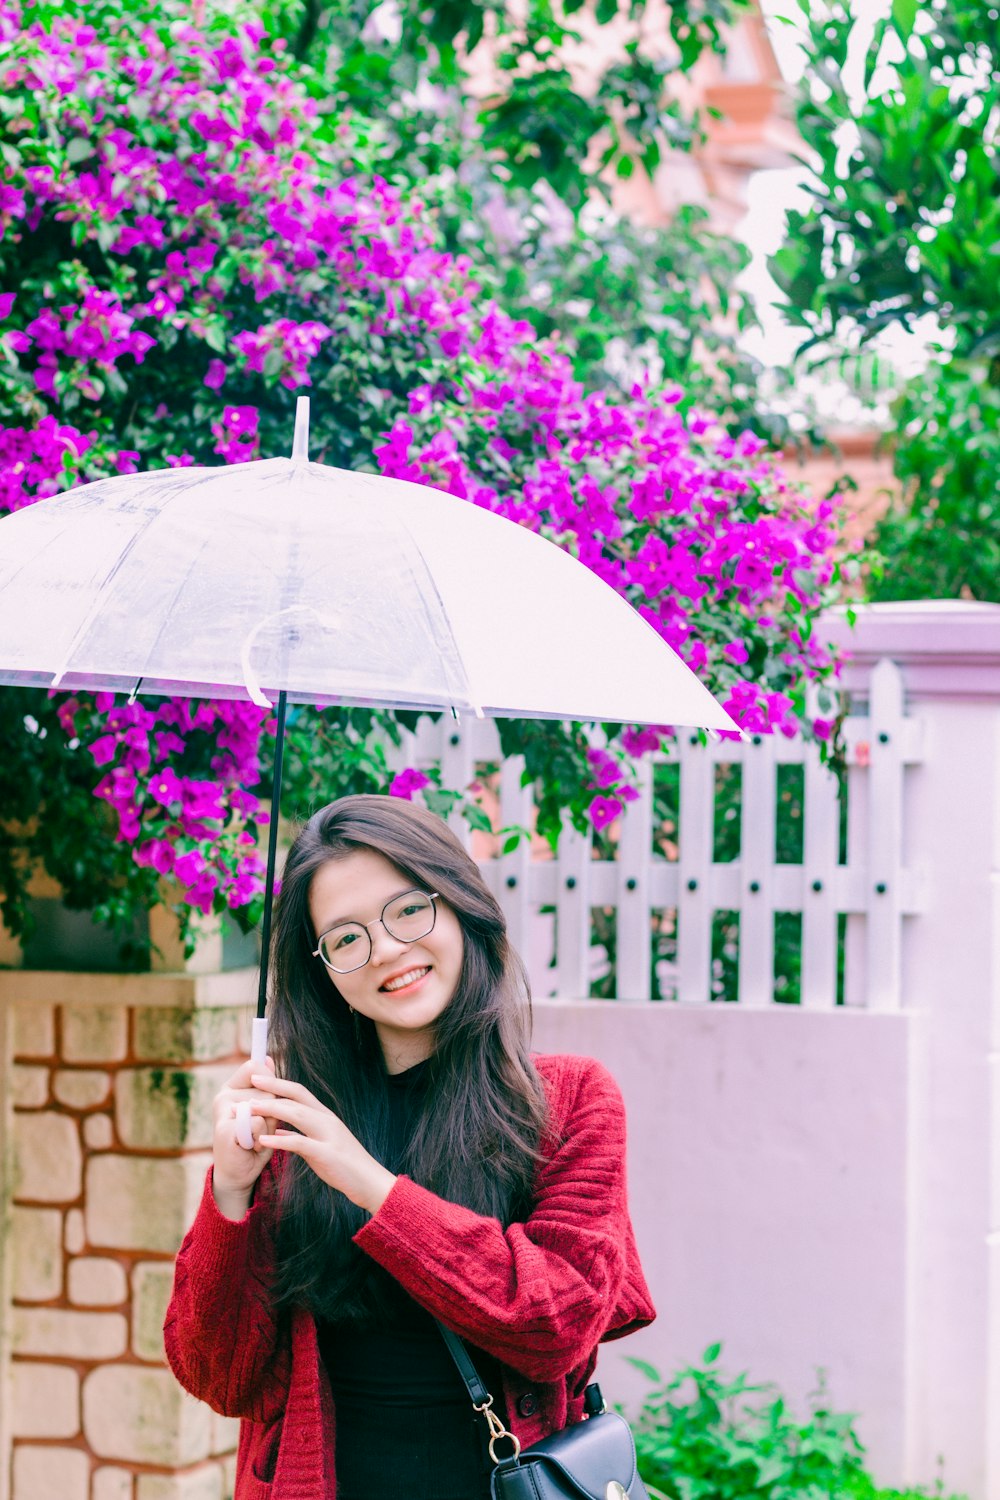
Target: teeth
(404, 979)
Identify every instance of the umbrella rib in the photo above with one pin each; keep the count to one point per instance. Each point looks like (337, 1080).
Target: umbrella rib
(465, 687)
(192, 564)
(104, 589)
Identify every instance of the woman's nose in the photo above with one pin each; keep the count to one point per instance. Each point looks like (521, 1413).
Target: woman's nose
(384, 945)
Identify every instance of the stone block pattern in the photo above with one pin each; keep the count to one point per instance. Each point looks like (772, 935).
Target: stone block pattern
(110, 1145)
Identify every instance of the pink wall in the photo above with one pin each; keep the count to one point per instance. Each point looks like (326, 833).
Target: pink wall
(768, 1183)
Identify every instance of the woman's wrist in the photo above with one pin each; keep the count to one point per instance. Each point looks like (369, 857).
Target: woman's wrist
(232, 1203)
(376, 1187)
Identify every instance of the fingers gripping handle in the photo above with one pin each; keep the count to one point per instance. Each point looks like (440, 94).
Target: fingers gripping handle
(258, 1054)
(244, 1133)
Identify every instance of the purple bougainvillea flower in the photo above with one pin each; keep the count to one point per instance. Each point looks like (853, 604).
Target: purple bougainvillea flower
(188, 867)
(201, 893)
(158, 854)
(104, 749)
(641, 741)
(246, 882)
(167, 743)
(202, 799)
(604, 810)
(167, 787)
(405, 783)
(243, 420)
(605, 768)
(216, 374)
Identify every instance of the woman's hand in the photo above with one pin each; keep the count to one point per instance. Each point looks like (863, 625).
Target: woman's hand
(235, 1170)
(323, 1141)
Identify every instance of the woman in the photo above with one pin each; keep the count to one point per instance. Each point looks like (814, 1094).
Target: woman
(412, 1162)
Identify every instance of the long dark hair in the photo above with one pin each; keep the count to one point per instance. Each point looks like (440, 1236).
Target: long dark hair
(482, 1111)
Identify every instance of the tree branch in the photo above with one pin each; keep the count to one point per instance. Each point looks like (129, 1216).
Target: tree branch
(308, 27)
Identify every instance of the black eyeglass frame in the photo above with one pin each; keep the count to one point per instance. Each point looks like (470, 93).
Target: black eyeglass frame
(432, 897)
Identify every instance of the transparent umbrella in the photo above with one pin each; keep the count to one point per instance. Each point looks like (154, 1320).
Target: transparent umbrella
(289, 576)
(287, 580)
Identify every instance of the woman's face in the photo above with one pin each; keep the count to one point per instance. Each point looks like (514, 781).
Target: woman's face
(355, 888)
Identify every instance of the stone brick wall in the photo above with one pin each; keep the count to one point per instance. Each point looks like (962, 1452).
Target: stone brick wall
(107, 1126)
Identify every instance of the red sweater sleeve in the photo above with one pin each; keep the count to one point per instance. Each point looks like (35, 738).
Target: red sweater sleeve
(538, 1295)
(221, 1333)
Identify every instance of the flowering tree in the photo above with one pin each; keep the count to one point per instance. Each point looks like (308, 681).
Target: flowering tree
(187, 241)
(530, 167)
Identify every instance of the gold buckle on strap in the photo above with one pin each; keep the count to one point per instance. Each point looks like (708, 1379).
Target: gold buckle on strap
(498, 1431)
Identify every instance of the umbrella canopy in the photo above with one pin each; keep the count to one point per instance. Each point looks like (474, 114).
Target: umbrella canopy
(331, 586)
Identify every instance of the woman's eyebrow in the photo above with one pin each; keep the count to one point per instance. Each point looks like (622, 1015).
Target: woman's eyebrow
(341, 921)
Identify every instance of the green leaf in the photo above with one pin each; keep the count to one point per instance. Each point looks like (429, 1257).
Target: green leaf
(215, 335)
(904, 14)
(874, 52)
(440, 800)
(477, 817)
(273, 364)
(474, 29)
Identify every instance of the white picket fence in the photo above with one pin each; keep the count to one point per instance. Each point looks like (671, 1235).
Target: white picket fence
(548, 901)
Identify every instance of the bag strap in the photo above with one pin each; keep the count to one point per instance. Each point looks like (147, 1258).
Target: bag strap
(471, 1378)
(478, 1394)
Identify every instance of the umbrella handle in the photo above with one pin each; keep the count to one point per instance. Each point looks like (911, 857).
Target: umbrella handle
(258, 1054)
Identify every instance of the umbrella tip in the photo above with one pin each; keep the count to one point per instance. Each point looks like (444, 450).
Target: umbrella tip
(300, 442)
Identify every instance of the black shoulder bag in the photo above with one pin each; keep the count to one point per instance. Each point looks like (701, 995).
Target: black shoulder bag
(593, 1460)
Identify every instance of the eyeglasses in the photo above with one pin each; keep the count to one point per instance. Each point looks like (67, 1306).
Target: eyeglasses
(348, 946)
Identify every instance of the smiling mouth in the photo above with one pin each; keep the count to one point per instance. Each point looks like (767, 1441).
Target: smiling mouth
(404, 981)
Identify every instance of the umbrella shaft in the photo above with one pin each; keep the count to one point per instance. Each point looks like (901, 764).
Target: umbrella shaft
(272, 850)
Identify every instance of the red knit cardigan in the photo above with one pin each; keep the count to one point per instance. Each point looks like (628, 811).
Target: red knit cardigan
(539, 1296)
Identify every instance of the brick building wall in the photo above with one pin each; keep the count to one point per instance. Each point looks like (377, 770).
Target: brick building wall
(108, 1133)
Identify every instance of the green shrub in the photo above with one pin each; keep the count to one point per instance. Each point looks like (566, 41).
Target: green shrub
(867, 1489)
(705, 1436)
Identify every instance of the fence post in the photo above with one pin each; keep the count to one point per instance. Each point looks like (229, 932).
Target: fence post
(819, 871)
(573, 912)
(885, 822)
(695, 893)
(634, 893)
(756, 982)
(514, 869)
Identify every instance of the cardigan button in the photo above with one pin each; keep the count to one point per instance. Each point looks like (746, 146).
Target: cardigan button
(527, 1404)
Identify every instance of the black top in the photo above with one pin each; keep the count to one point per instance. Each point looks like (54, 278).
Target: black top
(405, 1425)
